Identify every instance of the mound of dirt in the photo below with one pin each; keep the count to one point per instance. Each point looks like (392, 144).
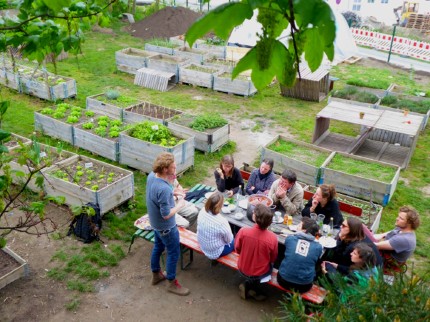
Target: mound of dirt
(166, 23)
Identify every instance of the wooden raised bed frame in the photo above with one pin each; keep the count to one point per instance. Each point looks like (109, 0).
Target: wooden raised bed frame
(21, 271)
(140, 154)
(357, 186)
(107, 198)
(104, 108)
(305, 172)
(235, 86)
(129, 60)
(198, 77)
(147, 111)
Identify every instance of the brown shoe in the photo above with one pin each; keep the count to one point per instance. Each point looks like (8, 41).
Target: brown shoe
(177, 288)
(157, 278)
(256, 296)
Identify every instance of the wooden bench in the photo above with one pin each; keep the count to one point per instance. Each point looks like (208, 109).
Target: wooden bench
(189, 243)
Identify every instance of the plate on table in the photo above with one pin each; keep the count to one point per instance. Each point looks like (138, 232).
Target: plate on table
(225, 210)
(208, 194)
(276, 229)
(243, 204)
(143, 223)
(292, 228)
(327, 242)
(279, 221)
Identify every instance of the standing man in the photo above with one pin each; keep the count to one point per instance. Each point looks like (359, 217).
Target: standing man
(398, 245)
(162, 209)
(286, 192)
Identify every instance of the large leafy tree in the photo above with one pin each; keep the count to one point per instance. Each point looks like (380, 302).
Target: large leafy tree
(42, 27)
(312, 34)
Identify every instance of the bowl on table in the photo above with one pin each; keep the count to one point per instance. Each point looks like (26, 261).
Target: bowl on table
(239, 216)
(254, 200)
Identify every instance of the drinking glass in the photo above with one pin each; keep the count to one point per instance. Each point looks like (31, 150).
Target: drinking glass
(314, 216)
(320, 220)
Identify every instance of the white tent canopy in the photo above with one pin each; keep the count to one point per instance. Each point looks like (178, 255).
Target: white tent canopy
(247, 34)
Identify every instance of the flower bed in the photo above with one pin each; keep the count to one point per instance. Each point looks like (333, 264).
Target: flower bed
(302, 158)
(100, 136)
(360, 177)
(146, 111)
(167, 63)
(241, 85)
(210, 131)
(111, 104)
(358, 94)
(193, 54)
(20, 267)
(129, 60)
(58, 121)
(140, 146)
(81, 180)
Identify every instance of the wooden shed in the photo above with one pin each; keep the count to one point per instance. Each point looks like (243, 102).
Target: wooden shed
(385, 135)
(312, 86)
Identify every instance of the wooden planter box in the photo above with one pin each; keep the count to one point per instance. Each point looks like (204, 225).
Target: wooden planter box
(141, 155)
(213, 51)
(209, 141)
(108, 109)
(201, 76)
(21, 271)
(236, 86)
(193, 54)
(358, 186)
(9, 78)
(48, 152)
(107, 198)
(13, 143)
(49, 92)
(146, 111)
(129, 60)
(160, 49)
(167, 63)
(306, 172)
(105, 147)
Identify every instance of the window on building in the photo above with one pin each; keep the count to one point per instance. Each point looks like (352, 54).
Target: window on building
(356, 5)
(370, 1)
(383, 1)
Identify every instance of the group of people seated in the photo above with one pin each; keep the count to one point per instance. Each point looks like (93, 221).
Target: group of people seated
(358, 253)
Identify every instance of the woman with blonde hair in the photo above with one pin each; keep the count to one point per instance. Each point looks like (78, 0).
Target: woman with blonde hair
(227, 176)
(213, 230)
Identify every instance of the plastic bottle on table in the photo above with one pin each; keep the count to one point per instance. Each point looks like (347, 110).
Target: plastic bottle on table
(330, 232)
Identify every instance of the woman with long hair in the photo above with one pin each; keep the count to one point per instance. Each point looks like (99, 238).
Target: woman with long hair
(227, 176)
(351, 233)
(324, 202)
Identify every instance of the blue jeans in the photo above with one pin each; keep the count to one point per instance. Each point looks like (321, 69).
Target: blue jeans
(169, 240)
(227, 249)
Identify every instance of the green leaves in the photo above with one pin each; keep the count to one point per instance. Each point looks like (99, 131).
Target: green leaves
(312, 25)
(57, 5)
(220, 20)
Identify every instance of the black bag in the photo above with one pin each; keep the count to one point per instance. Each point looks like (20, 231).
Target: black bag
(86, 226)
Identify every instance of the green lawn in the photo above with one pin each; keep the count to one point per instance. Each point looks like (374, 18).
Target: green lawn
(95, 72)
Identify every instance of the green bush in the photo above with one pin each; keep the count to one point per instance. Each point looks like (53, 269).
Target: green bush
(403, 103)
(351, 93)
(207, 121)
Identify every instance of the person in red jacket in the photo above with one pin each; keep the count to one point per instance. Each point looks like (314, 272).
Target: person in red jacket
(258, 249)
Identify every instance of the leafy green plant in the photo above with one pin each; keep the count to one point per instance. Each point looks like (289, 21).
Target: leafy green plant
(155, 133)
(351, 93)
(88, 125)
(207, 121)
(101, 131)
(72, 119)
(89, 113)
(421, 106)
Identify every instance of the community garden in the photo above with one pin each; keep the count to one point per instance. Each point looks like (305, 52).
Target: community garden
(72, 281)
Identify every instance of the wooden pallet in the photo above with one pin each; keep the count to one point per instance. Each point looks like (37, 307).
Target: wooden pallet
(155, 79)
(352, 60)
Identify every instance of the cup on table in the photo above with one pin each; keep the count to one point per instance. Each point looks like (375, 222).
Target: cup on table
(277, 216)
(320, 220)
(314, 216)
(272, 208)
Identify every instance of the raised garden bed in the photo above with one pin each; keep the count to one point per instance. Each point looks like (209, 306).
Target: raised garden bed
(100, 136)
(213, 51)
(198, 75)
(210, 131)
(15, 140)
(81, 180)
(8, 77)
(12, 267)
(146, 111)
(302, 158)
(357, 94)
(129, 60)
(193, 54)
(360, 177)
(167, 63)
(58, 121)
(137, 152)
(241, 85)
(111, 104)
(162, 47)
(48, 156)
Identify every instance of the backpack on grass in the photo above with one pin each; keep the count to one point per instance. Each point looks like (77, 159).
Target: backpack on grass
(86, 226)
